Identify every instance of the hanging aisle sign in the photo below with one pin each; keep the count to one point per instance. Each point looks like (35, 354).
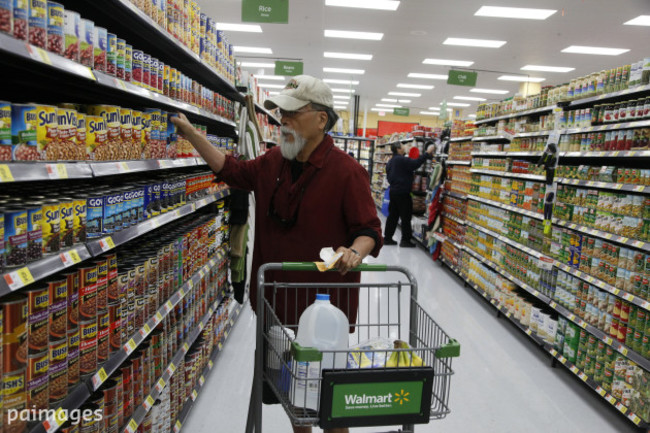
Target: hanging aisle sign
(401, 111)
(288, 68)
(462, 78)
(265, 11)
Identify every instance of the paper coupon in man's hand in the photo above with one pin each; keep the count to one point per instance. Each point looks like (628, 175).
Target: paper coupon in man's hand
(329, 258)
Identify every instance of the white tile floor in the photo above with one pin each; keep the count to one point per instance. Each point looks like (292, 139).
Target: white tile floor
(503, 383)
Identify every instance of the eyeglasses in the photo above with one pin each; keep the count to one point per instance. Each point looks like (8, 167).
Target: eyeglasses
(290, 114)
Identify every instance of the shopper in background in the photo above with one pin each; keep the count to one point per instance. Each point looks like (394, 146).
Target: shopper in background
(399, 172)
(309, 195)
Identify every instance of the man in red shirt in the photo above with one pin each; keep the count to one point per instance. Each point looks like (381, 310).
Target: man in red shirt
(309, 195)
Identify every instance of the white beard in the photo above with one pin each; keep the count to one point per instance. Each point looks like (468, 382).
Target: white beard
(291, 149)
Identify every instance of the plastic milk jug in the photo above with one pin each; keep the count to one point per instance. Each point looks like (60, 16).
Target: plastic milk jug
(324, 327)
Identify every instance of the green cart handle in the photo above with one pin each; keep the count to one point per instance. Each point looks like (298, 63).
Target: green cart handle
(449, 350)
(311, 266)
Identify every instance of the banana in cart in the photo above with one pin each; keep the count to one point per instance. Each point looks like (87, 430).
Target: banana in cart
(374, 354)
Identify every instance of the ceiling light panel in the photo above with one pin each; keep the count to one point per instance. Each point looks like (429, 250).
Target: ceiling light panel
(404, 101)
(271, 86)
(428, 76)
(353, 35)
(344, 71)
(469, 98)
(385, 5)
(347, 56)
(446, 62)
(341, 97)
(413, 95)
(598, 51)
(274, 93)
(388, 100)
(472, 116)
(540, 68)
(252, 50)
(257, 65)
(343, 90)
(481, 43)
(517, 13)
(388, 105)
(430, 113)
(334, 81)
(415, 86)
(521, 79)
(231, 27)
(270, 77)
(641, 20)
(490, 91)
(457, 104)
(379, 110)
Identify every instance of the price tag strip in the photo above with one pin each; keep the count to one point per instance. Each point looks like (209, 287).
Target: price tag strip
(106, 243)
(99, 378)
(58, 419)
(5, 173)
(20, 278)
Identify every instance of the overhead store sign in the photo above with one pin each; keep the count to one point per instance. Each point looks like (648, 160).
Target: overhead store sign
(265, 11)
(401, 111)
(462, 78)
(288, 68)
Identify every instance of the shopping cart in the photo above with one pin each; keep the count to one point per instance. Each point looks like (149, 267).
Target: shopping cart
(315, 394)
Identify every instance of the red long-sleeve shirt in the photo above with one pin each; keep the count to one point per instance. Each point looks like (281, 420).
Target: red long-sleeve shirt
(332, 203)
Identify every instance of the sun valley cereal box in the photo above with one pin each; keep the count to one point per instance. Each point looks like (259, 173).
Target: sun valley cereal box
(5, 131)
(23, 132)
(96, 136)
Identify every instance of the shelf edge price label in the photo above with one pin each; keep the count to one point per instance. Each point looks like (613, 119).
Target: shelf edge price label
(53, 424)
(122, 167)
(620, 407)
(177, 427)
(146, 328)
(158, 317)
(106, 243)
(623, 350)
(5, 173)
(210, 364)
(583, 376)
(148, 402)
(601, 391)
(160, 385)
(194, 395)
(220, 345)
(169, 305)
(132, 427)
(20, 278)
(56, 171)
(99, 378)
(186, 347)
(130, 346)
(70, 258)
(201, 380)
(529, 332)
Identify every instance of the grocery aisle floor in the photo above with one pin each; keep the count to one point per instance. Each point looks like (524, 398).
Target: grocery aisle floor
(503, 382)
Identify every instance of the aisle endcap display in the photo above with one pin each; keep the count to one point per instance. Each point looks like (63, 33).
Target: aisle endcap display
(189, 404)
(134, 25)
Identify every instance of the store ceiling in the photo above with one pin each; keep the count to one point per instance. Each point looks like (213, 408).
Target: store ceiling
(417, 30)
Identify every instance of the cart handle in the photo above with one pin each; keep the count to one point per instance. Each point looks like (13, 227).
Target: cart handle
(311, 266)
(449, 350)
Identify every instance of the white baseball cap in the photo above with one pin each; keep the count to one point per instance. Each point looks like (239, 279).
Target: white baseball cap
(300, 91)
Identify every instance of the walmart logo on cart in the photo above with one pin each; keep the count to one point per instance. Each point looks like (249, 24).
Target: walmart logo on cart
(377, 400)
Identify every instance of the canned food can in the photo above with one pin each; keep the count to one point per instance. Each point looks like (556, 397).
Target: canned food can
(97, 398)
(130, 317)
(37, 380)
(14, 386)
(127, 389)
(115, 323)
(37, 319)
(23, 131)
(74, 340)
(161, 73)
(86, 42)
(72, 284)
(55, 19)
(14, 337)
(20, 15)
(102, 283)
(47, 132)
(51, 226)
(128, 62)
(153, 74)
(89, 424)
(15, 236)
(58, 369)
(5, 131)
(79, 221)
(146, 71)
(138, 391)
(120, 58)
(109, 390)
(139, 312)
(87, 348)
(94, 215)
(88, 292)
(103, 336)
(66, 206)
(111, 54)
(3, 263)
(100, 37)
(112, 293)
(71, 30)
(37, 23)
(58, 310)
(34, 233)
(69, 427)
(137, 67)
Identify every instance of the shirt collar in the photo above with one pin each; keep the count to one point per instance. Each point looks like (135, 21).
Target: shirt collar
(317, 157)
